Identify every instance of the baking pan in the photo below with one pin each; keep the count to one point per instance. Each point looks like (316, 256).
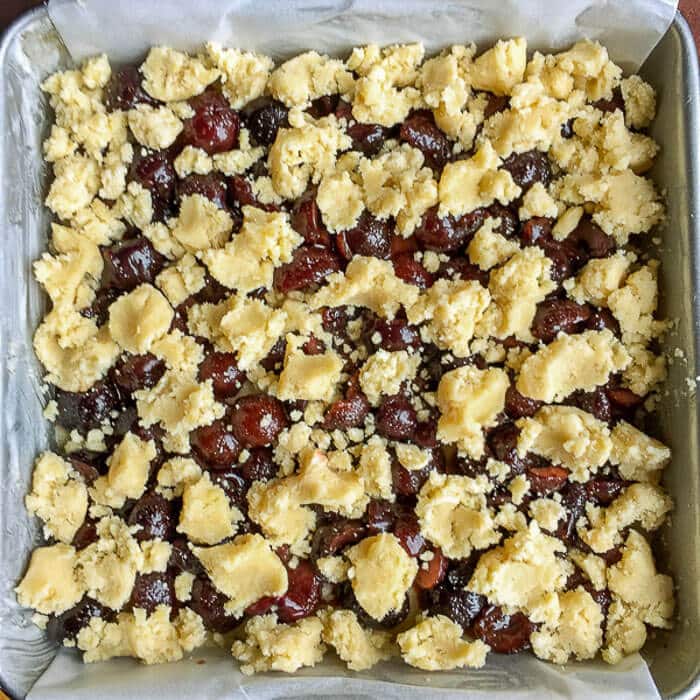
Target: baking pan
(31, 49)
(672, 68)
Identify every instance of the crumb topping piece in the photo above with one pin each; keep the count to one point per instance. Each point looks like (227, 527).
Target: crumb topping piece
(454, 514)
(273, 646)
(171, 75)
(436, 644)
(58, 497)
(360, 648)
(244, 570)
(524, 573)
(567, 436)
(469, 400)
(572, 363)
(381, 574)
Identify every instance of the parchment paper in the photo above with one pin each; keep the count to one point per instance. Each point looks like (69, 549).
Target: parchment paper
(124, 29)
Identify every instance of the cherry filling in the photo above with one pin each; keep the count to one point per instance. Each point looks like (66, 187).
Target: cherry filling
(309, 265)
(215, 125)
(211, 186)
(265, 121)
(129, 263)
(241, 449)
(257, 420)
(222, 369)
(155, 172)
(124, 91)
(216, 445)
(369, 237)
(420, 131)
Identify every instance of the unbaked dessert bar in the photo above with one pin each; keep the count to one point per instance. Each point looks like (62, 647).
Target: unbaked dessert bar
(351, 354)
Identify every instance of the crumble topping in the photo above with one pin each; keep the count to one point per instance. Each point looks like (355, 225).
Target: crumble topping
(469, 400)
(645, 372)
(385, 372)
(139, 319)
(108, 566)
(76, 182)
(175, 474)
(451, 312)
(276, 509)
(501, 68)
(74, 352)
(200, 224)
(566, 223)
(640, 595)
(572, 363)
(634, 305)
(360, 648)
(178, 404)
(375, 468)
(547, 513)
(396, 184)
(171, 75)
(129, 468)
(156, 555)
(340, 200)
(381, 574)
(244, 570)
(279, 506)
(516, 288)
(265, 241)
(58, 497)
(135, 205)
(273, 646)
(384, 93)
(638, 456)
(466, 185)
(333, 569)
(538, 202)
(436, 644)
(244, 74)
(599, 278)
(454, 515)
(444, 82)
(489, 248)
(645, 504)
(305, 152)
(151, 638)
(193, 160)
(309, 377)
(308, 76)
(321, 333)
(578, 632)
(367, 282)
(207, 517)
(524, 573)
(640, 102)
(567, 436)
(602, 143)
(183, 586)
(181, 280)
(154, 127)
(246, 326)
(240, 159)
(410, 456)
(69, 276)
(51, 584)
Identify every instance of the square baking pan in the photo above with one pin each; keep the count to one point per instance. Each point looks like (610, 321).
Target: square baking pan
(31, 49)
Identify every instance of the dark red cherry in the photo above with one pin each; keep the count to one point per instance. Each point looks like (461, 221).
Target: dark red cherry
(214, 126)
